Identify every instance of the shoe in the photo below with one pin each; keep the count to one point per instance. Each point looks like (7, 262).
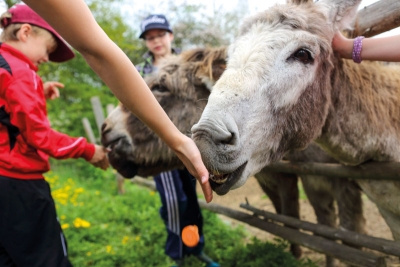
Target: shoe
(213, 264)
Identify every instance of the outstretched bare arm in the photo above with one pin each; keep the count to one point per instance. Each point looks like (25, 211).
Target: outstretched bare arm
(74, 22)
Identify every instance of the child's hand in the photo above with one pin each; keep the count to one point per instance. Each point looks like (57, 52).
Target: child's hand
(342, 45)
(189, 154)
(99, 158)
(51, 90)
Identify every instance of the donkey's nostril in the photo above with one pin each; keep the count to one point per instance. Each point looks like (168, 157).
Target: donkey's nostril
(222, 133)
(103, 126)
(228, 140)
(104, 129)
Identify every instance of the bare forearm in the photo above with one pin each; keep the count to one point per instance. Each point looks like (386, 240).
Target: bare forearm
(73, 20)
(379, 48)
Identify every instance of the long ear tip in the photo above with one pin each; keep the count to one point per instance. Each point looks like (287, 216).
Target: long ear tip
(341, 13)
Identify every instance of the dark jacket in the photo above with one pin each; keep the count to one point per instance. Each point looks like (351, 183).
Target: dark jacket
(146, 67)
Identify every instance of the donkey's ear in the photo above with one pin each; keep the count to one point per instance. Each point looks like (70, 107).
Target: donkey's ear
(194, 55)
(218, 68)
(340, 12)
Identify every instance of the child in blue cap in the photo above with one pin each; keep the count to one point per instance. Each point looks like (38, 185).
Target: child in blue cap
(177, 188)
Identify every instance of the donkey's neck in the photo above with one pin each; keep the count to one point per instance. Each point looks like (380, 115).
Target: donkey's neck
(363, 122)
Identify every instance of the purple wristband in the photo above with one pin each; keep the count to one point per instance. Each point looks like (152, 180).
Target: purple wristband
(357, 46)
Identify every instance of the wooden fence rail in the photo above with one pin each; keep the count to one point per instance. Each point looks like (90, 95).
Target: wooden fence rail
(342, 252)
(379, 244)
(377, 18)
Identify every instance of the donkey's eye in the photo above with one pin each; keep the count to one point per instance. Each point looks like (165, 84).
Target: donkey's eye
(303, 56)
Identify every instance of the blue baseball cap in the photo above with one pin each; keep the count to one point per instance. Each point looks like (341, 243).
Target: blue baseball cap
(154, 21)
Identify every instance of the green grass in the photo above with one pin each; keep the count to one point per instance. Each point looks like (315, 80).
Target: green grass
(104, 229)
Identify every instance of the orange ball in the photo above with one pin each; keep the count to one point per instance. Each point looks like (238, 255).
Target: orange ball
(190, 235)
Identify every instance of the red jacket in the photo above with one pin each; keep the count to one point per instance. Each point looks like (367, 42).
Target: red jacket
(22, 99)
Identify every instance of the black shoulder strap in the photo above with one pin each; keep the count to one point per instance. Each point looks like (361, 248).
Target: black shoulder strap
(12, 130)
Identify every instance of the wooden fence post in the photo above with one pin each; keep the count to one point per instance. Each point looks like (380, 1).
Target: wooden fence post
(89, 131)
(98, 112)
(118, 177)
(99, 117)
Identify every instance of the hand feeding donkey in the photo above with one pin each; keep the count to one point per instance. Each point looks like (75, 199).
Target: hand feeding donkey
(284, 87)
(182, 86)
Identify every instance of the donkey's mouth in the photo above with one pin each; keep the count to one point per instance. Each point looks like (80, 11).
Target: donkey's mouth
(221, 183)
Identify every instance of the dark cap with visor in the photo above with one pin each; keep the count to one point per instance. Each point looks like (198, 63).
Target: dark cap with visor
(21, 13)
(154, 21)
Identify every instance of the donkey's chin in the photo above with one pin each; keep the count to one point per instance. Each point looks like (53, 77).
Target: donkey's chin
(125, 168)
(221, 183)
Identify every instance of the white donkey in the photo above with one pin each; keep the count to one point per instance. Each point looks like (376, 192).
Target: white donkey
(284, 88)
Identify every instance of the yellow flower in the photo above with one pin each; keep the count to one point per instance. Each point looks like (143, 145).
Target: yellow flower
(89, 253)
(63, 217)
(109, 249)
(125, 240)
(152, 193)
(137, 238)
(79, 190)
(85, 224)
(97, 193)
(80, 223)
(64, 226)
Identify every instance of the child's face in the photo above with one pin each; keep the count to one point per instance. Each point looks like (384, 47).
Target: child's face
(41, 45)
(159, 42)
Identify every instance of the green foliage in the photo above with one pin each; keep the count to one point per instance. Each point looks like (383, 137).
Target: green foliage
(106, 229)
(81, 83)
(10, 3)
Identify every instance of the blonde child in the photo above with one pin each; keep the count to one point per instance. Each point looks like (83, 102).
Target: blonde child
(30, 234)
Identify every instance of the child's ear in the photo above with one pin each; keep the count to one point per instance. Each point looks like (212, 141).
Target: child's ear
(24, 32)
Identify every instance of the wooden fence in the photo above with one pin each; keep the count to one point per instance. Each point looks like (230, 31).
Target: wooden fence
(320, 238)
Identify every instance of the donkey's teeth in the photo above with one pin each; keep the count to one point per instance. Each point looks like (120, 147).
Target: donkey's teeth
(219, 178)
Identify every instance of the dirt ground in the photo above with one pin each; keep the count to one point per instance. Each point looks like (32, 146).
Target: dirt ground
(375, 225)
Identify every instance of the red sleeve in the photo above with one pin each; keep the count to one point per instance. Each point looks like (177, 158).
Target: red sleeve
(27, 106)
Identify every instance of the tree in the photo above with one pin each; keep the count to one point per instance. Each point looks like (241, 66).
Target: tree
(193, 26)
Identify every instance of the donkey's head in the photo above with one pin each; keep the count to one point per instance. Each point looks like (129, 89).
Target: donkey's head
(274, 95)
(181, 86)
